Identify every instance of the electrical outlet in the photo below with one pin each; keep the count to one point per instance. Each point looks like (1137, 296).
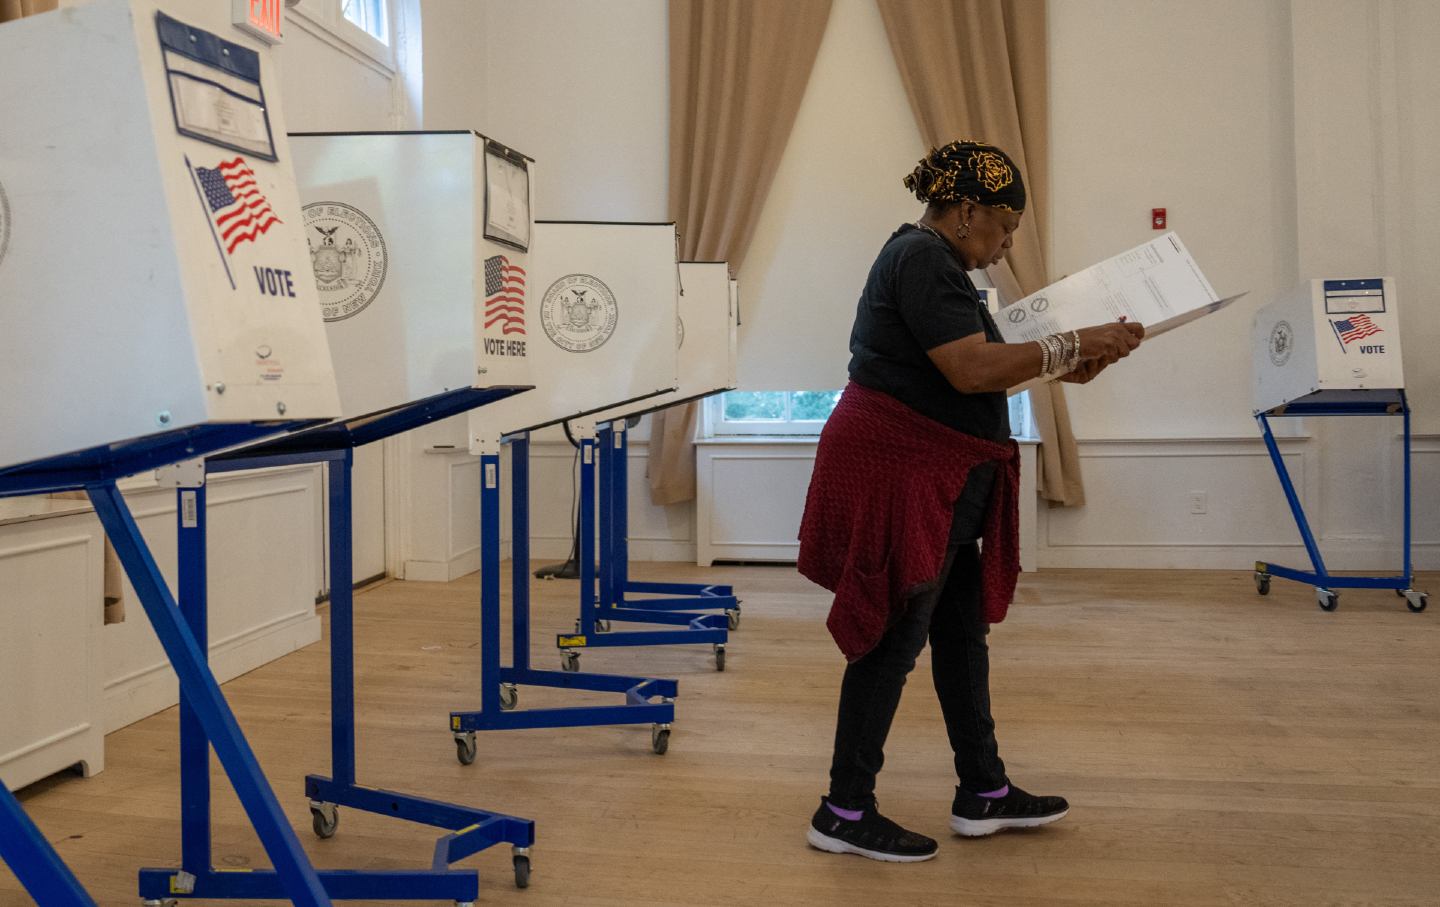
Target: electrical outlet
(1198, 504)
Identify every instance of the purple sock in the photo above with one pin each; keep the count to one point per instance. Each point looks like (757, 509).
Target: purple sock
(996, 794)
(850, 815)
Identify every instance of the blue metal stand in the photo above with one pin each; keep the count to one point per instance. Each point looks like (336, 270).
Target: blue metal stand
(34, 862)
(615, 582)
(32, 859)
(499, 685)
(471, 830)
(1366, 403)
(598, 604)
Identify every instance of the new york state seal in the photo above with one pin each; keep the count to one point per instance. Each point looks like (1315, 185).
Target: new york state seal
(579, 313)
(348, 254)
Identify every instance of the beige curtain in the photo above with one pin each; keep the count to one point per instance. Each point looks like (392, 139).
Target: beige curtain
(976, 69)
(738, 69)
(15, 9)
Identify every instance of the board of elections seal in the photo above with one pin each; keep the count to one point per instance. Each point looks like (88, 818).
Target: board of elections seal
(348, 255)
(4, 223)
(1282, 343)
(579, 313)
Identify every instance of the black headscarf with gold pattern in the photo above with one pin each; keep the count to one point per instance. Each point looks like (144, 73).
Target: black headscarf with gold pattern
(975, 170)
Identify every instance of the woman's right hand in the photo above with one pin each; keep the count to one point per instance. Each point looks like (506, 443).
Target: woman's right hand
(1110, 342)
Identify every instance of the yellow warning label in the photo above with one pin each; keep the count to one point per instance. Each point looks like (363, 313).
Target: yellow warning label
(568, 641)
(454, 722)
(467, 829)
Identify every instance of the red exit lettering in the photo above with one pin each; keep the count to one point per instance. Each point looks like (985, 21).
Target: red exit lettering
(265, 15)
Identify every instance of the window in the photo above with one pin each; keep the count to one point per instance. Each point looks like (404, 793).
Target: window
(368, 15)
(805, 412)
(360, 26)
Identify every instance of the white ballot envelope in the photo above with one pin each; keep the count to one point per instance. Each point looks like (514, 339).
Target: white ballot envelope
(1158, 285)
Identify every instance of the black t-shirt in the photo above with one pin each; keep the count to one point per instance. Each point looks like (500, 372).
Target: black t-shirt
(916, 298)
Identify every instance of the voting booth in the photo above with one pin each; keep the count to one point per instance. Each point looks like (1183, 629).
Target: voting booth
(603, 334)
(419, 245)
(1332, 348)
(604, 298)
(1328, 340)
(156, 304)
(152, 274)
(705, 340)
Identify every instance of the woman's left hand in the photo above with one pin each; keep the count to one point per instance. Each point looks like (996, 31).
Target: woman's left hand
(1085, 372)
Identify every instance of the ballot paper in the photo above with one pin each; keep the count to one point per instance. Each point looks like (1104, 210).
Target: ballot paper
(1158, 285)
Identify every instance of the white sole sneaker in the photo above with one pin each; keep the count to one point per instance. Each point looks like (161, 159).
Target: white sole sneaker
(979, 828)
(828, 844)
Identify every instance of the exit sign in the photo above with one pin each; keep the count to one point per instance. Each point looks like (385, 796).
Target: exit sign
(261, 18)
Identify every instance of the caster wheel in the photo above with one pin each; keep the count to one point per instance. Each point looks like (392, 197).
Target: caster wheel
(570, 661)
(602, 626)
(522, 872)
(509, 697)
(465, 748)
(1262, 583)
(719, 657)
(1327, 600)
(324, 819)
(660, 739)
(1416, 601)
(733, 619)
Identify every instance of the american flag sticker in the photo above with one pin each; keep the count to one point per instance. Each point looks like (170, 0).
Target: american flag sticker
(238, 209)
(504, 295)
(1356, 327)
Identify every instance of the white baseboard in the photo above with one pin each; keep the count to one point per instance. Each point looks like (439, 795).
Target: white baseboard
(154, 689)
(462, 564)
(82, 744)
(1382, 561)
(554, 548)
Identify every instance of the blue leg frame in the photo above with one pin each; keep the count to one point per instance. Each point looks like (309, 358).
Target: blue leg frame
(472, 830)
(615, 582)
(1319, 575)
(35, 863)
(599, 594)
(496, 680)
(206, 708)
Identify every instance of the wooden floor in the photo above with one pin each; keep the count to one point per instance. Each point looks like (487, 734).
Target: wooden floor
(1216, 747)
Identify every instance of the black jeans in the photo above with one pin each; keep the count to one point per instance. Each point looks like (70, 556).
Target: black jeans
(950, 615)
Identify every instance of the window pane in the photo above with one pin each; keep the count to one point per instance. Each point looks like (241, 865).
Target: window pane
(367, 14)
(1020, 415)
(812, 406)
(748, 406)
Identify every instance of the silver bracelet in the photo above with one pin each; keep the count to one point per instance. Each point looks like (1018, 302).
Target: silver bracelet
(1044, 355)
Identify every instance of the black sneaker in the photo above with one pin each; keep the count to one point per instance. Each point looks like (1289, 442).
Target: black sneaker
(975, 816)
(872, 835)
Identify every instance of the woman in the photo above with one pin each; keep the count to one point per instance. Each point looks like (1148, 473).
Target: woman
(915, 465)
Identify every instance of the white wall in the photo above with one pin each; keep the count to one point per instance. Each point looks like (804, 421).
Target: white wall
(1287, 140)
(837, 196)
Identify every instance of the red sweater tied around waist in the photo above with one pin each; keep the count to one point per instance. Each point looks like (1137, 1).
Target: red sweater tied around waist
(877, 516)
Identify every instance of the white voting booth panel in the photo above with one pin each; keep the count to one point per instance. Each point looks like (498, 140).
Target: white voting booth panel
(704, 338)
(153, 273)
(1326, 339)
(603, 327)
(421, 292)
